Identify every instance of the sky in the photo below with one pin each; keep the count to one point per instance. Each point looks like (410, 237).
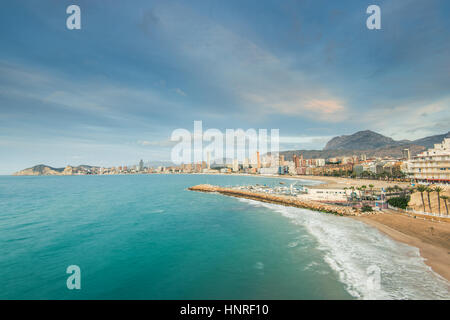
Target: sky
(113, 92)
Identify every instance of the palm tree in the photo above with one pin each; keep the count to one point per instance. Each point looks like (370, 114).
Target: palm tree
(389, 189)
(371, 188)
(352, 192)
(363, 189)
(438, 190)
(445, 198)
(428, 190)
(422, 189)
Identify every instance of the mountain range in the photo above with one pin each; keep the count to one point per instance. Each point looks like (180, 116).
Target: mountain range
(370, 143)
(366, 140)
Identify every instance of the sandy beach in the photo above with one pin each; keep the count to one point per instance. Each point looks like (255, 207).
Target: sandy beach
(431, 237)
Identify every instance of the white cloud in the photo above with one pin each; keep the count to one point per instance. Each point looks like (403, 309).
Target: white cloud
(262, 83)
(411, 120)
(180, 92)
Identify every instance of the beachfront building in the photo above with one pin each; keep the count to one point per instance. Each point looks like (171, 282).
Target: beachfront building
(433, 165)
(334, 195)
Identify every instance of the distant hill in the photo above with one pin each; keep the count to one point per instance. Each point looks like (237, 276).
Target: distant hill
(40, 170)
(392, 151)
(361, 140)
(429, 142)
(369, 140)
(44, 170)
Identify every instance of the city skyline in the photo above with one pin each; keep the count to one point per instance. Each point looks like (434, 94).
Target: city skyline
(114, 91)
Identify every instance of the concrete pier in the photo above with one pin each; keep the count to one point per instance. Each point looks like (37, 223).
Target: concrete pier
(278, 199)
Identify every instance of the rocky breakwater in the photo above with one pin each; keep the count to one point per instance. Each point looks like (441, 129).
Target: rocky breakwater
(278, 199)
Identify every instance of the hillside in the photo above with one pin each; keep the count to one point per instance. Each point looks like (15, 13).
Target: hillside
(370, 143)
(393, 151)
(429, 142)
(44, 170)
(361, 140)
(40, 170)
(369, 140)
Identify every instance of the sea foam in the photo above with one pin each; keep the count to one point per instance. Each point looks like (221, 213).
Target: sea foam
(355, 250)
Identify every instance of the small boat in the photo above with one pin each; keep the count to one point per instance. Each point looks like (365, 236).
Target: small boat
(282, 183)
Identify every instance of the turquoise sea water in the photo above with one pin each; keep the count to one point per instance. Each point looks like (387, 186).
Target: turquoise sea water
(147, 237)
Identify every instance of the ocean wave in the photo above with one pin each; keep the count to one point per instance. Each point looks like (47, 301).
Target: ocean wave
(369, 264)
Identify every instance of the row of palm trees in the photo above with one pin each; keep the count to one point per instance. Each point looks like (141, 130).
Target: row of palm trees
(388, 190)
(427, 189)
(420, 188)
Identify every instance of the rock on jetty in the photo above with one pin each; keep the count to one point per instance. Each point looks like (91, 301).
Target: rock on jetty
(278, 199)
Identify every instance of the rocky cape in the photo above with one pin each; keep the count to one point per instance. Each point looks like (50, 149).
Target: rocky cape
(44, 170)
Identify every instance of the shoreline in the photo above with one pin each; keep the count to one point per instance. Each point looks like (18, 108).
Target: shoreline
(430, 237)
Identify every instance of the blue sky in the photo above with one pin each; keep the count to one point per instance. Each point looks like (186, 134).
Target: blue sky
(112, 92)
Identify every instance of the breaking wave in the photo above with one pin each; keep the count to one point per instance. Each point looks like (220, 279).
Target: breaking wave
(360, 254)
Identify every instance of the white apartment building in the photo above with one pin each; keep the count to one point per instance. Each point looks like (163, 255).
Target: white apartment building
(338, 195)
(320, 162)
(432, 165)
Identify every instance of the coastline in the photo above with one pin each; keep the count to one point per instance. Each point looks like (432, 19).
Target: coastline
(430, 237)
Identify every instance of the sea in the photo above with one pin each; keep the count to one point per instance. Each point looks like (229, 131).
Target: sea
(148, 237)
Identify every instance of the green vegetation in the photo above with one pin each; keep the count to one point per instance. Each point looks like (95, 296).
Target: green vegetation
(399, 202)
(366, 208)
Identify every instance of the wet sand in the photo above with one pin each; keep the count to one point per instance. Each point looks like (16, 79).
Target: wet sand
(431, 237)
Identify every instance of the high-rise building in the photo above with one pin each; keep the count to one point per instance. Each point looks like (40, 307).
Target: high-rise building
(235, 165)
(258, 160)
(246, 163)
(406, 155)
(141, 165)
(208, 157)
(296, 161)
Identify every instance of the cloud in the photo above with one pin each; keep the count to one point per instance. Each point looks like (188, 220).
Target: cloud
(411, 120)
(293, 104)
(180, 92)
(256, 79)
(157, 143)
(98, 103)
(327, 107)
